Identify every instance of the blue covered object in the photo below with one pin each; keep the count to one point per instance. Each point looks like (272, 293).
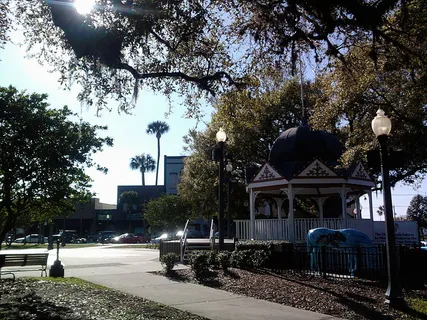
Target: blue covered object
(347, 240)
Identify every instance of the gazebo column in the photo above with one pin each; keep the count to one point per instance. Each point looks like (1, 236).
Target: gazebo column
(291, 220)
(358, 211)
(343, 194)
(320, 202)
(371, 212)
(252, 213)
(279, 202)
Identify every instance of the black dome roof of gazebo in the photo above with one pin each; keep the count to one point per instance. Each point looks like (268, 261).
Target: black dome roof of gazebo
(297, 146)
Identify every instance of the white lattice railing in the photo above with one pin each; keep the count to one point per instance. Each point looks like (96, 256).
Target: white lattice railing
(275, 229)
(243, 229)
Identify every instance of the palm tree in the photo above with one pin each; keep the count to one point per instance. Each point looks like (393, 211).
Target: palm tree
(143, 163)
(158, 128)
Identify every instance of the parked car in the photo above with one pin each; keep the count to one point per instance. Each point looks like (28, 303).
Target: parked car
(190, 234)
(67, 236)
(164, 236)
(128, 238)
(31, 238)
(106, 236)
(92, 237)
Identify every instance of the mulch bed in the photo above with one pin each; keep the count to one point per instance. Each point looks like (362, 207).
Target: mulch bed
(344, 298)
(30, 299)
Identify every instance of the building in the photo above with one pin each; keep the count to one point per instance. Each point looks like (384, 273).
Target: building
(85, 218)
(95, 216)
(172, 175)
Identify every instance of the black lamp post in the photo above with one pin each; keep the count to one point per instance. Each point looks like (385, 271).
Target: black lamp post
(229, 168)
(381, 125)
(219, 155)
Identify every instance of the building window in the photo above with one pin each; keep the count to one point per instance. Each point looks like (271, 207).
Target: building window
(173, 178)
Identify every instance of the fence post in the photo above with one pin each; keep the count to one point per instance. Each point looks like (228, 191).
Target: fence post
(323, 264)
(161, 248)
(360, 267)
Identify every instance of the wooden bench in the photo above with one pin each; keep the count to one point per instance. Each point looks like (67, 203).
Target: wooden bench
(23, 260)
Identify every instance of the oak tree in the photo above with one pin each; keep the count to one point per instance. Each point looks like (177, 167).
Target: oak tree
(191, 48)
(43, 157)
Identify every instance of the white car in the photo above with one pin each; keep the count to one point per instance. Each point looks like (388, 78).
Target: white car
(164, 236)
(32, 238)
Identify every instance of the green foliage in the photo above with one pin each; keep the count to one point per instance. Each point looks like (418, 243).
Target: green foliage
(169, 260)
(143, 163)
(254, 245)
(43, 157)
(168, 212)
(254, 253)
(242, 259)
(352, 92)
(190, 49)
(213, 259)
(417, 210)
(4, 22)
(419, 306)
(260, 258)
(131, 199)
(158, 128)
(249, 258)
(199, 262)
(252, 121)
(224, 260)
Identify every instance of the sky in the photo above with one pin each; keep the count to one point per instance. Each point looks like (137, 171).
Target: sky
(129, 131)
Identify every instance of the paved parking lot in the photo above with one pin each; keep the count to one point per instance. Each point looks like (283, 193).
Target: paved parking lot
(99, 260)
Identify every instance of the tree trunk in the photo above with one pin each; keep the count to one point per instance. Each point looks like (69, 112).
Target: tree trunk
(143, 178)
(158, 159)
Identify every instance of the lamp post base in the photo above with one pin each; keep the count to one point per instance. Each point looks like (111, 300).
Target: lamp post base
(396, 303)
(56, 270)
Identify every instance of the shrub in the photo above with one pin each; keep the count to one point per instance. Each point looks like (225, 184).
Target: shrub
(247, 259)
(253, 245)
(260, 258)
(199, 262)
(213, 259)
(242, 259)
(224, 260)
(169, 260)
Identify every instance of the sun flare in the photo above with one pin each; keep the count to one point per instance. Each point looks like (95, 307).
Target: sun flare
(84, 6)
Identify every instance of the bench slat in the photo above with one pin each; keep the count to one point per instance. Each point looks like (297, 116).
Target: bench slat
(24, 259)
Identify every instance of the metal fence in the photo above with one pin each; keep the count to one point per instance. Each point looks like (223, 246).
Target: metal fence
(350, 262)
(343, 262)
(169, 246)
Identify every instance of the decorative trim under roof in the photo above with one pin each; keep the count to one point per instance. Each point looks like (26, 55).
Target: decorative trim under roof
(316, 170)
(267, 173)
(360, 173)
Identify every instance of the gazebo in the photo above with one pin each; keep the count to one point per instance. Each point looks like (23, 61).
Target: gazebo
(304, 163)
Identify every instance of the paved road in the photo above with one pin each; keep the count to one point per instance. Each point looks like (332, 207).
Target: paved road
(100, 260)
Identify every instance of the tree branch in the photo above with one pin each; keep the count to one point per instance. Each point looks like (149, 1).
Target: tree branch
(202, 82)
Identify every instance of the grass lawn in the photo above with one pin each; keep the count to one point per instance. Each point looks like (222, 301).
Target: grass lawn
(142, 246)
(16, 246)
(419, 306)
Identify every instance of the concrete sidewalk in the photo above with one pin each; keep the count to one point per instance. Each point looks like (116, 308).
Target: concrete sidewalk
(204, 301)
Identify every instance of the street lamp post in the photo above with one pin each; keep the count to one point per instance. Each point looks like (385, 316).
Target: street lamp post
(381, 125)
(229, 168)
(220, 138)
